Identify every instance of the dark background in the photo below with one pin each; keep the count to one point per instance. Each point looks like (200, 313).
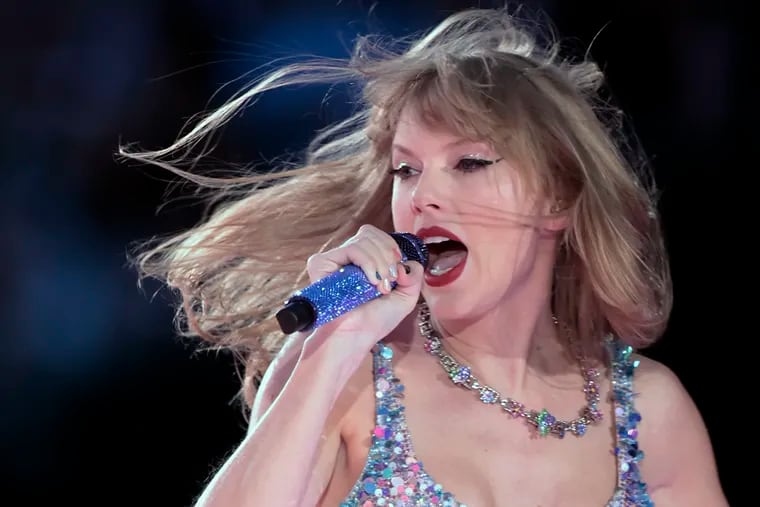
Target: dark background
(101, 403)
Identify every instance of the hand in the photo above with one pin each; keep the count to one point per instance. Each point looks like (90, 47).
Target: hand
(378, 255)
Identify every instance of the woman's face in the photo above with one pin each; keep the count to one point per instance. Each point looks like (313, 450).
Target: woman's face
(448, 187)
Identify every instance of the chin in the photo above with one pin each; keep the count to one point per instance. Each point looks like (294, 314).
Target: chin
(448, 305)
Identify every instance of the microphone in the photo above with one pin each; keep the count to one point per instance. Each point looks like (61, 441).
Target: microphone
(341, 291)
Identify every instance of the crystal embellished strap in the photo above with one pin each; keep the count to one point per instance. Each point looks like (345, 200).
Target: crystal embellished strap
(632, 490)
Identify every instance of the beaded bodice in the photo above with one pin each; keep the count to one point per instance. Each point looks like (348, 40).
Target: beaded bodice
(393, 477)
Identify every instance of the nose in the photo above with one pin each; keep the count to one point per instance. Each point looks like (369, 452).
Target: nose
(426, 195)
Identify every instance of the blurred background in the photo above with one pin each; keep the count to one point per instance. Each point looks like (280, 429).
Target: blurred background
(101, 403)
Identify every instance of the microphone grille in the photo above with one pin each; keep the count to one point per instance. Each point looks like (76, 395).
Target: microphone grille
(412, 247)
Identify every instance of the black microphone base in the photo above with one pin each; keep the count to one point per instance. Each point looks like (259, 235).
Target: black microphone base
(296, 315)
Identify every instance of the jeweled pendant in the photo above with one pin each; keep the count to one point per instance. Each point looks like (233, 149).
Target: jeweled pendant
(488, 395)
(432, 346)
(545, 422)
(460, 375)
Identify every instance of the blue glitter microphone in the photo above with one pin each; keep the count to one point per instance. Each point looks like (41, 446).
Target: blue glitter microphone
(341, 291)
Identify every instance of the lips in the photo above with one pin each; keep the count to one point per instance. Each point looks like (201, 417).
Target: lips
(448, 255)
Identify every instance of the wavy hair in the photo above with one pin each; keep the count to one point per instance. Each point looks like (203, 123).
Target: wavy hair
(486, 74)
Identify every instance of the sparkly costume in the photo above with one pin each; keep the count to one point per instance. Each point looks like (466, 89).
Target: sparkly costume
(392, 476)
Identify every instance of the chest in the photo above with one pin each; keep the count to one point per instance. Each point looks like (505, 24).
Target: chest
(484, 457)
(489, 459)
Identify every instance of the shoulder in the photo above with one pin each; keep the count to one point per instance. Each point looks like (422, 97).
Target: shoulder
(666, 407)
(675, 441)
(664, 403)
(660, 390)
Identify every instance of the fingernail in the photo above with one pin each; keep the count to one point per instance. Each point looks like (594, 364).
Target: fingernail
(407, 269)
(392, 269)
(378, 276)
(387, 284)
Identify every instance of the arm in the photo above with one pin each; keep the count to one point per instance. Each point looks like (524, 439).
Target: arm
(275, 377)
(295, 439)
(679, 464)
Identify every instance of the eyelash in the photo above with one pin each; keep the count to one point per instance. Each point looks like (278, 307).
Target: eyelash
(478, 163)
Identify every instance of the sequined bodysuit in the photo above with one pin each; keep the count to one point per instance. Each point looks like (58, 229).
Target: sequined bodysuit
(393, 477)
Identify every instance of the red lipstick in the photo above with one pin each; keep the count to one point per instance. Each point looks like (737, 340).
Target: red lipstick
(455, 272)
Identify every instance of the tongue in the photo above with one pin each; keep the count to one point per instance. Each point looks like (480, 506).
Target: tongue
(447, 260)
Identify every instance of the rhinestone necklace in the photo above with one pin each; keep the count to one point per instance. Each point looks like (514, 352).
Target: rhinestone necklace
(543, 421)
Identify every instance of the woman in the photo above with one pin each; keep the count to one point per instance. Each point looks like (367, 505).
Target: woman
(546, 269)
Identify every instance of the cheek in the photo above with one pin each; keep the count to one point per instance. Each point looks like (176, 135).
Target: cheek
(511, 255)
(401, 209)
(505, 191)
(504, 195)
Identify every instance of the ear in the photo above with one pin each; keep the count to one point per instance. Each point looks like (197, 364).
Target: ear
(556, 217)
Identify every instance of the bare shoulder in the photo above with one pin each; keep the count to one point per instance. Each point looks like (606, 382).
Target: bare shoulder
(666, 406)
(660, 393)
(679, 464)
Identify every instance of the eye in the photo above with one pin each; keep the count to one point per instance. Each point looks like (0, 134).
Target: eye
(403, 171)
(472, 164)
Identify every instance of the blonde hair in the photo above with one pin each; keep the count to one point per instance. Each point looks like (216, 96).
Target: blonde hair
(486, 75)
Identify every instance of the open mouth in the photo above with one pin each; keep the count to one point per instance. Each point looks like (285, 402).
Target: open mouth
(445, 255)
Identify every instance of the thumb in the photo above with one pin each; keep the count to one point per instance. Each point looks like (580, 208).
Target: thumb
(409, 281)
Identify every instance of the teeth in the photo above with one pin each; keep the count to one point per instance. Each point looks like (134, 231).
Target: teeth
(436, 239)
(436, 271)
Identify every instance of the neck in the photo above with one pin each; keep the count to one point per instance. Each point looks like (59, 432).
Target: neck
(512, 342)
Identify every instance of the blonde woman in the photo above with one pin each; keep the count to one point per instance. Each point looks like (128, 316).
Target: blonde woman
(503, 373)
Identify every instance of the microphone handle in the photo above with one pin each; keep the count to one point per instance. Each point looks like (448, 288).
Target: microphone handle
(341, 291)
(334, 295)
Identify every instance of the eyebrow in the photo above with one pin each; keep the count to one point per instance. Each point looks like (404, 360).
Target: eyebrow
(452, 144)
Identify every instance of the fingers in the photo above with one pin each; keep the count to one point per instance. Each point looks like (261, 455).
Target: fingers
(410, 274)
(386, 256)
(371, 249)
(376, 266)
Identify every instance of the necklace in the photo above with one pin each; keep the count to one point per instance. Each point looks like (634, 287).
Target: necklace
(543, 421)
